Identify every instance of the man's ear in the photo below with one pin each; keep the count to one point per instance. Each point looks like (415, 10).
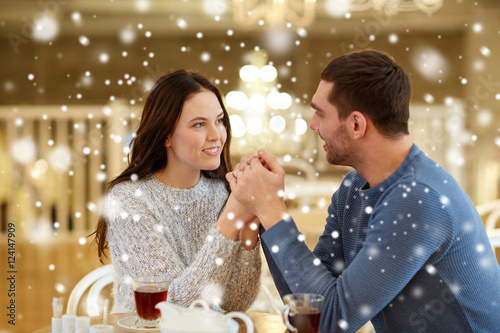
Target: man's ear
(358, 123)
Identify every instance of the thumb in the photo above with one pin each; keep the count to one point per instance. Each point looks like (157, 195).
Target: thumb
(232, 180)
(270, 161)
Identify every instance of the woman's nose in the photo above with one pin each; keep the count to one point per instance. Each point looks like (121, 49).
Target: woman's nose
(213, 134)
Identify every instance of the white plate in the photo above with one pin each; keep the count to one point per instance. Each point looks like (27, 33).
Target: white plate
(129, 323)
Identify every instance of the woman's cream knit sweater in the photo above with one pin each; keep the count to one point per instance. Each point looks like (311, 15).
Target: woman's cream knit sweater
(154, 229)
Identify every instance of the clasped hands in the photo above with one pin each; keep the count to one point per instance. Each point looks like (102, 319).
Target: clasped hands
(257, 188)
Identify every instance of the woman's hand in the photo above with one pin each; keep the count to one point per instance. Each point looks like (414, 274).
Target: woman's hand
(258, 183)
(233, 218)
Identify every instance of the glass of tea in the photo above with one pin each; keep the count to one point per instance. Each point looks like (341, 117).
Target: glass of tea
(149, 291)
(302, 312)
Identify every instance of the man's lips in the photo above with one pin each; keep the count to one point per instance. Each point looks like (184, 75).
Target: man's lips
(324, 143)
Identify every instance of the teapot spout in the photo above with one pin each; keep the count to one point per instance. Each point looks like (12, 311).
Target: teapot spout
(168, 309)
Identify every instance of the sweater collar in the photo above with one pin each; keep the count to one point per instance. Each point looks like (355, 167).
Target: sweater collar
(183, 195)
(414, 151)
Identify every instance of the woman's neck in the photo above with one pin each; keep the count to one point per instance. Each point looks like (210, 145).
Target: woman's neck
(179, 179)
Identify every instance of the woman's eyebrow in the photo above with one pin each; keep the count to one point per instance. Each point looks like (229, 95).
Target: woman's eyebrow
(198, 119)
(204, 119)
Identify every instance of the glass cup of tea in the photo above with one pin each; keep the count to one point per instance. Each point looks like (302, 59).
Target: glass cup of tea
(149, 291)
(302, 312)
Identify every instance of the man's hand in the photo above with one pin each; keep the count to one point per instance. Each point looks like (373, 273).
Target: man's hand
(249, 234)
(259, 187)
(244, 162)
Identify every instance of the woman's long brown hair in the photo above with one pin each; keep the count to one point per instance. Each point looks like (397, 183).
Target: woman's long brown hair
(162, 109)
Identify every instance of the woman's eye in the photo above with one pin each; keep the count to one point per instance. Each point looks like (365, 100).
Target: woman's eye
(220, 121)
(199, 125)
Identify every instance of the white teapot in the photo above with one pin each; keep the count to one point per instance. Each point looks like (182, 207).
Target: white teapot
(177, 319)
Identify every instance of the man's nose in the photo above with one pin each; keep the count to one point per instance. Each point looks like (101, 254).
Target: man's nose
(313, 124)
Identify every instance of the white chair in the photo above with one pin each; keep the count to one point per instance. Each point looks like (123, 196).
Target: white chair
(96, 280)
(490, 213)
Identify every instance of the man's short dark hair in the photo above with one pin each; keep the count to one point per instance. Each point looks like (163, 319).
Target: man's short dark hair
(373, 83)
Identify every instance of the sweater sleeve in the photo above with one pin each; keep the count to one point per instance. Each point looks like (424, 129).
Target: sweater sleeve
(397, 245)
(140, 245)
(329, 247)
(244, 283)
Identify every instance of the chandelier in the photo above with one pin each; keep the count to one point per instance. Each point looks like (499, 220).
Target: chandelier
(265, 14)
(255, 14)
(391, 7)
(260, 114)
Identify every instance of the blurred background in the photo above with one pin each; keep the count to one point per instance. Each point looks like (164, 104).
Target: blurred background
(74, 74)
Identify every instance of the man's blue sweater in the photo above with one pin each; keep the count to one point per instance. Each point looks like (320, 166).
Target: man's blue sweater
(410, 254)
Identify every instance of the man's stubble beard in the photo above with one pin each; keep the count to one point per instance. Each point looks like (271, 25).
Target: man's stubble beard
(343, 152)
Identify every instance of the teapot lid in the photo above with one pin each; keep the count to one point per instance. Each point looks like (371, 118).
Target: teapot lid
(197, 320)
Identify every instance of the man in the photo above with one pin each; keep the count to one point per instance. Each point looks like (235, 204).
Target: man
(403, 245)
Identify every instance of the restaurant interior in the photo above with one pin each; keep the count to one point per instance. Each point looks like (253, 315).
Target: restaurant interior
(75, 73)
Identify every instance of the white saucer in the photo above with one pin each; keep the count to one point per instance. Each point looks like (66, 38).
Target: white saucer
(129, 323)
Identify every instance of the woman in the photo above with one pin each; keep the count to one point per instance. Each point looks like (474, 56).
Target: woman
(170, 213)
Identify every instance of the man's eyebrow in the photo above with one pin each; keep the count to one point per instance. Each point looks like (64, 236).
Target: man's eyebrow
(315, 107)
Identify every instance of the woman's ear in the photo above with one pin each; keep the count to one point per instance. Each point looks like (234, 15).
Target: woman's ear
(167, 143)
(358, 124)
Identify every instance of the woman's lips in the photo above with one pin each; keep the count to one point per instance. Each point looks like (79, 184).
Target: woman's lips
(212, 151)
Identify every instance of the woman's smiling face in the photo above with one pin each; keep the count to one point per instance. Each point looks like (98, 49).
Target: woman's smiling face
(199, 135)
